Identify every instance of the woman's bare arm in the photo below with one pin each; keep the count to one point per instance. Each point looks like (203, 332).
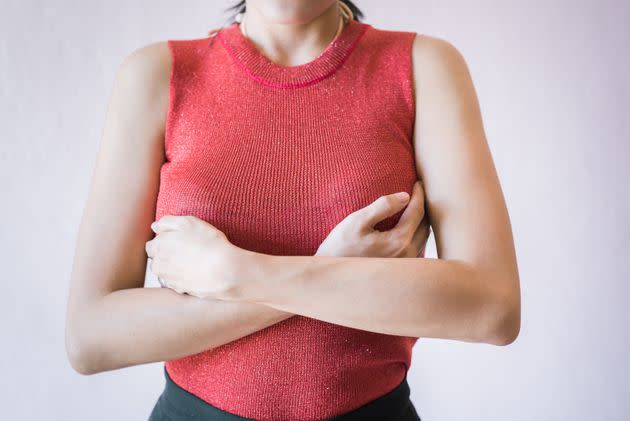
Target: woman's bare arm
(112, 321)
(471, 292)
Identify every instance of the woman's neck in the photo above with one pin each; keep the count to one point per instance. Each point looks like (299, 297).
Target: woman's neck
(291, 44)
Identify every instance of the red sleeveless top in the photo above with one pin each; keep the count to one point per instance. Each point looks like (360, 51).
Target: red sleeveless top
(275, 157)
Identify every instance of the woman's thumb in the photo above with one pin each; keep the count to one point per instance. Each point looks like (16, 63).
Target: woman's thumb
(384, 207)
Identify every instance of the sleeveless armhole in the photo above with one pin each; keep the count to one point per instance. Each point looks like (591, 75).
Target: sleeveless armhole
(171, 100)
(409, 88)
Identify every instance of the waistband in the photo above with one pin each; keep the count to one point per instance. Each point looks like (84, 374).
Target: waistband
(183, 404)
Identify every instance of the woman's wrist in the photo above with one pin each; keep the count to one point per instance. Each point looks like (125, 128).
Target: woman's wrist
(250, 270)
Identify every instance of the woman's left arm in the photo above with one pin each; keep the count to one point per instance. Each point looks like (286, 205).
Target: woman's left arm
(472, 291)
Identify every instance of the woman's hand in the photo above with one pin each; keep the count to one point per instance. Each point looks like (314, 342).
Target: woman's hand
(356, 236)
(193, 257)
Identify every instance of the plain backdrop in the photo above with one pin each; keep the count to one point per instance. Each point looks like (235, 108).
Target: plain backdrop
(552, 80)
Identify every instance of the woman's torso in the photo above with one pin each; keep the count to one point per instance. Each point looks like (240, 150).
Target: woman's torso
(276, 157)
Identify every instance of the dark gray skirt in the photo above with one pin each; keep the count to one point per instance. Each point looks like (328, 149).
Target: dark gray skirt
(177, 404)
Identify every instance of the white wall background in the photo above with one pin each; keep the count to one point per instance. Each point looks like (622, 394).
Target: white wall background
(552, 79)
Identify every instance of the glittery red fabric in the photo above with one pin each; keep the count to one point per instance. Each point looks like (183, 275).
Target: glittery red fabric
(275, 157)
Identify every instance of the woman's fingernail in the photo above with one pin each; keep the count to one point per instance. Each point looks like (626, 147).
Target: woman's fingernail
(402, 196)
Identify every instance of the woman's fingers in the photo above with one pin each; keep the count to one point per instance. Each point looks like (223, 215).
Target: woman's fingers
(170, 223)
(412, 216)
(178, 222)
(381, 208)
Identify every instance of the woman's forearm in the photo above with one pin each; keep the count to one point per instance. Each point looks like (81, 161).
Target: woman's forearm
(142, 325)
(415, 297)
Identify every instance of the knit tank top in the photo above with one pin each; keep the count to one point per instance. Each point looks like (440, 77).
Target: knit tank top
(275, 157)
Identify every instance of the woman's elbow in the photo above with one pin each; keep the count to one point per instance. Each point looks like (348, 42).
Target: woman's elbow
(80, 351)
(506, 319)
(508, 333)
(77, 356)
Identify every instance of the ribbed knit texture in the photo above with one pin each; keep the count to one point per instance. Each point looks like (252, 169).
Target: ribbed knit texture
(275, 157)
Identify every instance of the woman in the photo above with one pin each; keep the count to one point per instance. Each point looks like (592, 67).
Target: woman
(279, 160)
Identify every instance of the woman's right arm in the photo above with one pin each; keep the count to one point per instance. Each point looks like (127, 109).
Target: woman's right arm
(112, 320)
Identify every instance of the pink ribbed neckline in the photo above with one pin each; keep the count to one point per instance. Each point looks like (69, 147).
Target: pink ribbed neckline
(260, 68)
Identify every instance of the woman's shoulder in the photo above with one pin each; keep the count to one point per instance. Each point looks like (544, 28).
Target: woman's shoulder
(425, 47)
(156, 58)
(440, 71)
(434, 56)
(141, 88)
(151, 65)
(387, 38)
(147, 64)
